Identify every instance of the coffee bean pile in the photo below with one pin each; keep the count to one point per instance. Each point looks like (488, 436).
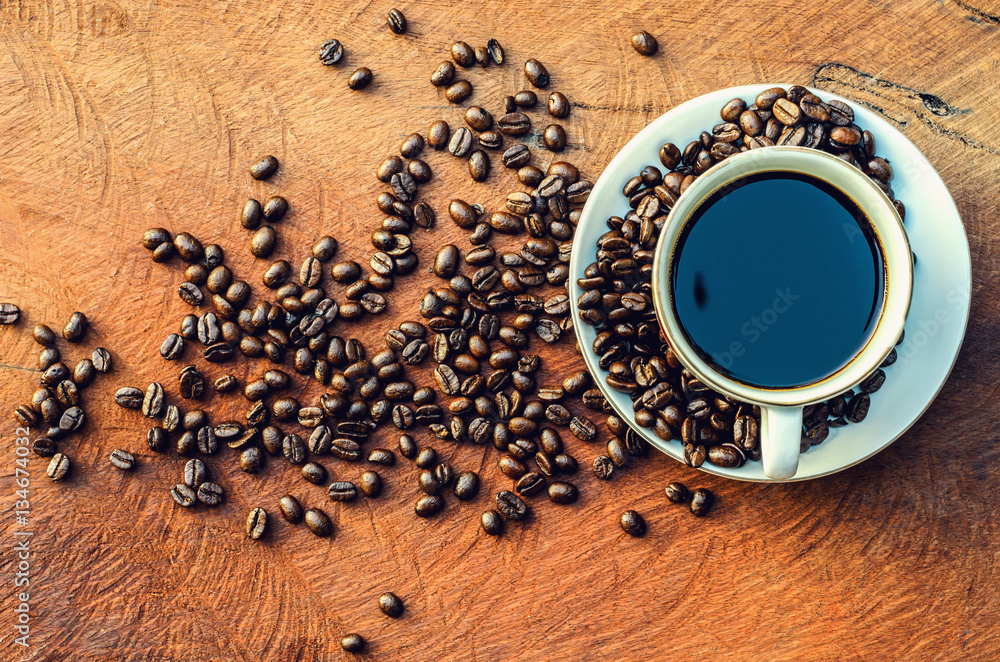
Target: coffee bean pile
(57, 405)
(461, 372)
(618, 300)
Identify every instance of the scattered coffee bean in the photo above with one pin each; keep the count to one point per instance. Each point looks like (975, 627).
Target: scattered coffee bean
(633, 524)
(536, 73)
(330, 52)
(9, 313)
(256, 523)
(396, 21)
(644, 43)
(360, 79)
(701, 501)
(390, 605)
(185, 497)
(318, 522)
(352, 643)
(492, 523)
(428, 505)
(268, 165)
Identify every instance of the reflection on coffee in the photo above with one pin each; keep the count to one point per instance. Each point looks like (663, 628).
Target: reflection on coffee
(778, 280)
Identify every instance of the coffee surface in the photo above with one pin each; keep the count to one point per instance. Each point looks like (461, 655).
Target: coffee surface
(778, 281)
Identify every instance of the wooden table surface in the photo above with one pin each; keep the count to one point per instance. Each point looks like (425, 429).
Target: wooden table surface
(119, 116)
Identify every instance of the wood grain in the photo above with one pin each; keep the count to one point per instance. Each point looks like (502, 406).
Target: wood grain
(118, 116)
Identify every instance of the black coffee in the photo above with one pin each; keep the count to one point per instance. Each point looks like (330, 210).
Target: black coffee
(778, 280)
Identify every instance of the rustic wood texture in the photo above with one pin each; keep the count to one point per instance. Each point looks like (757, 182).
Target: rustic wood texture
(119, 116)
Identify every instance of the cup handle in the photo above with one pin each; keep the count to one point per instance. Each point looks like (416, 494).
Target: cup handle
(780, 437)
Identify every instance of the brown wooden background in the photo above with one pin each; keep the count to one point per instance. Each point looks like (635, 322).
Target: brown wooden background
(117, 116)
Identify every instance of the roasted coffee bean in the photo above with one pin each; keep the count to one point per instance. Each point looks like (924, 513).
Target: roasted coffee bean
(210, 494)
(41, 334)
(156, 439)
(315, 473)
(644, 43)
(58, 468)
(478, 118)
(426, 458)
(677, 493)
(207, 442)
(347, 271)
(154, 237)
(463, 54)
(582, 428)
(514, 124)
(257, 523)
(407, 446)
(330, 52)
(516, 156)
(554, 138)
(604, 467)
(188, 247)
(345, 449)
(263, 241)
(268, 165)
(218, 353)
(55, 372)
(458, 91)
(72, 419)
(529, 484)
(396, 21)
(320, 440)
(421, 173)
(72, 332)
(873, 382)
(536, 73)
(251, 460)
(353, 642)
(558, 105)
(563, 493)
(857, 407)
(122, 459)
(633, 524)
(466, 485)
(319, 524)
(510, 506)
(526, 99)
(403, 186)
(172, 347)
(152, 403)
(186, 497)
(428, 505)
(479, 165)
(66, 392)
(195, 472)
(482, 57)
(389, 167)
(443, 75)
(390, 605)
(491, 140)
(290, 509)
(43, 447)
(495, 51)
(491, 522)
(460, 143)
(726, 455)
(192, 383)
(701, 501)
(360, 79)
(163, 252)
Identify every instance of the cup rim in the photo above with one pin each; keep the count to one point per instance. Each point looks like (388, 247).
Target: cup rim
(890, 233)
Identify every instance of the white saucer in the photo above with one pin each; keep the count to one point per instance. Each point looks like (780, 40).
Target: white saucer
(941, 284)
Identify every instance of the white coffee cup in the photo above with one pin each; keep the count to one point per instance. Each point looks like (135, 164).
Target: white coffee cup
(781, 408)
